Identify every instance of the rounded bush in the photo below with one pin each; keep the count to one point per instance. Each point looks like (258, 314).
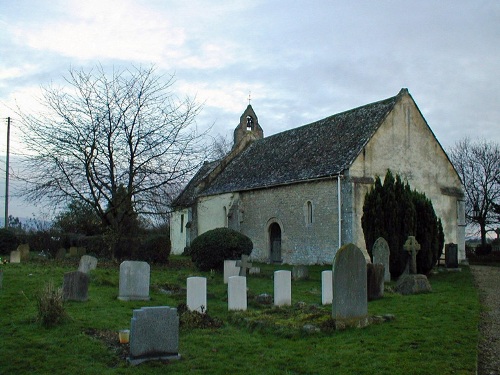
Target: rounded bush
(8, 241)
(209, 250)
(154, 249)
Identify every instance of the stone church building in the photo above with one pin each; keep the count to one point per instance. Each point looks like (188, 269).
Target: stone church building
(299, 194)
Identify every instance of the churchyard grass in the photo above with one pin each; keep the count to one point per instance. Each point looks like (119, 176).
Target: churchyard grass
(432, 333)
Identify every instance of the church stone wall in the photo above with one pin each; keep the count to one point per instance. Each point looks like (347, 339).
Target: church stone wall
(302, 242)
(406, 145)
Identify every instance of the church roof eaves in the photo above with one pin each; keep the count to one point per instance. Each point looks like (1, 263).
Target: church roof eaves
(318, 150)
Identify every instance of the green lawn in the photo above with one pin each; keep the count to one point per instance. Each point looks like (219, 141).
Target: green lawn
(432, 334)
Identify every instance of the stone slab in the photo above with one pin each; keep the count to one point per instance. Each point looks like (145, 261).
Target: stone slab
(413, 284)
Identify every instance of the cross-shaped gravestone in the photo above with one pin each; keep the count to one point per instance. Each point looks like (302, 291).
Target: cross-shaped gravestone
(412, 246)
(244, 265)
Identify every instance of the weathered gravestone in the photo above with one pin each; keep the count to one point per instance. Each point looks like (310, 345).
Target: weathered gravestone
(134, 281)
(73, 251)
(350, 302)
(282, 288)
(196, 297)
(412, 283)
(61, 253)
(237, 293)
(300, 273)
(75, 286)
(451, 255)
(24, 249)
(15, 256)
(326, 287)
(375, 281)
(230, 269)
(87, 264)
(244, 265)
(154, 334)
(381, 254)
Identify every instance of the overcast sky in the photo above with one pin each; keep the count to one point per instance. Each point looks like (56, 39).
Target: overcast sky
(301, 60)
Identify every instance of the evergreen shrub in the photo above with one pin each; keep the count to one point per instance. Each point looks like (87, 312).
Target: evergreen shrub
(8, 241)
(154, 248)
(210, 249)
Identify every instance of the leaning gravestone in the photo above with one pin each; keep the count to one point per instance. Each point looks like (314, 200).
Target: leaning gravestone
(15, 256)
(326, 287)
(381, 254)
(375, 281)
(282, 288)
(451, 255)
(196, 295)
(134, 281)
(237, 293)
(75, 286)
(87, 264)
(350, 302)
(230, 269)
(154, 334)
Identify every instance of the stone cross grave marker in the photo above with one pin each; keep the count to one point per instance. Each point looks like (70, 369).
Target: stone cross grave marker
(196, 297)
(75, 286)
(134, 281)
(237, 293)
(154, 334)
(381, 254)
(244, 265)
(350, 300)
(412, 247)
(230, 269)
(15, 256)
(282, 288)
(326, 287)
(87, 264)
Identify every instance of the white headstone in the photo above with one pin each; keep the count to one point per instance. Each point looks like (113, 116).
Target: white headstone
(326, 287)
(237, 293)
(87, 264)
(197, 294)
(154, 334)
(134, 281)
(15, 256)
(381, 254)
(282, 288)
(230, 269)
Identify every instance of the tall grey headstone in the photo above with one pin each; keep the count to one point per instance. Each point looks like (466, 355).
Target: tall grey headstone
(381, 255)
(230, 269)
(15, 256)
(87, 264)
(451, 255)
(350, 300)
(282, 288)
(75, 286)
(326, 287)
(154, 334)
(237, 293)
(196, 297)
(134, 281)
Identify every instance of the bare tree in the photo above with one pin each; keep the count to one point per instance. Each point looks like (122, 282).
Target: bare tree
(478, 164)
(122, 143)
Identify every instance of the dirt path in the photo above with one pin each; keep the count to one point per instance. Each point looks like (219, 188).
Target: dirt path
(487, 280)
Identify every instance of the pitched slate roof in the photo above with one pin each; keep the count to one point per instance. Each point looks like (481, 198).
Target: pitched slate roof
(320, 149)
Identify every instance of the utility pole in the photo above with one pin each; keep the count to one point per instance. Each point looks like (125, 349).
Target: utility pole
(7, 176)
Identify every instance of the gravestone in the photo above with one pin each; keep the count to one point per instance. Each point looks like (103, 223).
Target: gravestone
(413, 284)
(134, 281)
(326, 287)
(154, 334)
(237, 293)
(254, 271)
(244, 265)
(73, 251)
(196, 298)
(15, 256)
(87, 264)
(412, 247)
(230, 269)
(350, 300)
(61, 253)
(375, 281)
(282, 288)
(24, 249)
(75, 286)
(381, 254)
(451, 255)
(81, 251)
(300, 273)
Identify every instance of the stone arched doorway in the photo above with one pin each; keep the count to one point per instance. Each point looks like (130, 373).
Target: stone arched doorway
(275, 243)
